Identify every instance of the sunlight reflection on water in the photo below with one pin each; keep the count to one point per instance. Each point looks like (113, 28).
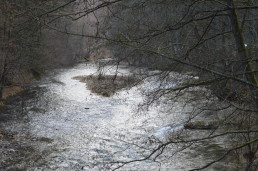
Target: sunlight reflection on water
(85, 137)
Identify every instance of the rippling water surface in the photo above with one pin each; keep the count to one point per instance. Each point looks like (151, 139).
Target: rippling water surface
(74, 129)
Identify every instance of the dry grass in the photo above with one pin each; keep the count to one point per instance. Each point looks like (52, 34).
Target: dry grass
(11, 91)
(1, 103)
(108, 85)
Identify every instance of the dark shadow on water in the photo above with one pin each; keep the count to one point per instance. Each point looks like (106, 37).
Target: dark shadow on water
(18, 150)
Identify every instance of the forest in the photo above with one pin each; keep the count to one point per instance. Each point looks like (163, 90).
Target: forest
(185, 73)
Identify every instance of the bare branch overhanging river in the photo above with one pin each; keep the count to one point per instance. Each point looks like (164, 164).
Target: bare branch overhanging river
(69, 128)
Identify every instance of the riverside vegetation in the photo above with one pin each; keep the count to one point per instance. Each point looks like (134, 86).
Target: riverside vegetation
(108, 85)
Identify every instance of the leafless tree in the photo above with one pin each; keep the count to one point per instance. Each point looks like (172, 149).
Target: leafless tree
(214, 40)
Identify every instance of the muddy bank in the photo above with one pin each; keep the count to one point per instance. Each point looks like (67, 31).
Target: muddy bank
(16, 83)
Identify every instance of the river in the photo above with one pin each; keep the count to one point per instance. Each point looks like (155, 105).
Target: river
(58, 124)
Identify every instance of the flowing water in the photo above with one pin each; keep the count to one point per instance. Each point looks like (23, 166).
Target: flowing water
(68, 128)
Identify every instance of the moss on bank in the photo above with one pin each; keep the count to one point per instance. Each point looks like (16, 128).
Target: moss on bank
(108, 85)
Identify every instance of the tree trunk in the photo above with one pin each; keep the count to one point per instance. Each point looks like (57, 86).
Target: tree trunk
(242, 54)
